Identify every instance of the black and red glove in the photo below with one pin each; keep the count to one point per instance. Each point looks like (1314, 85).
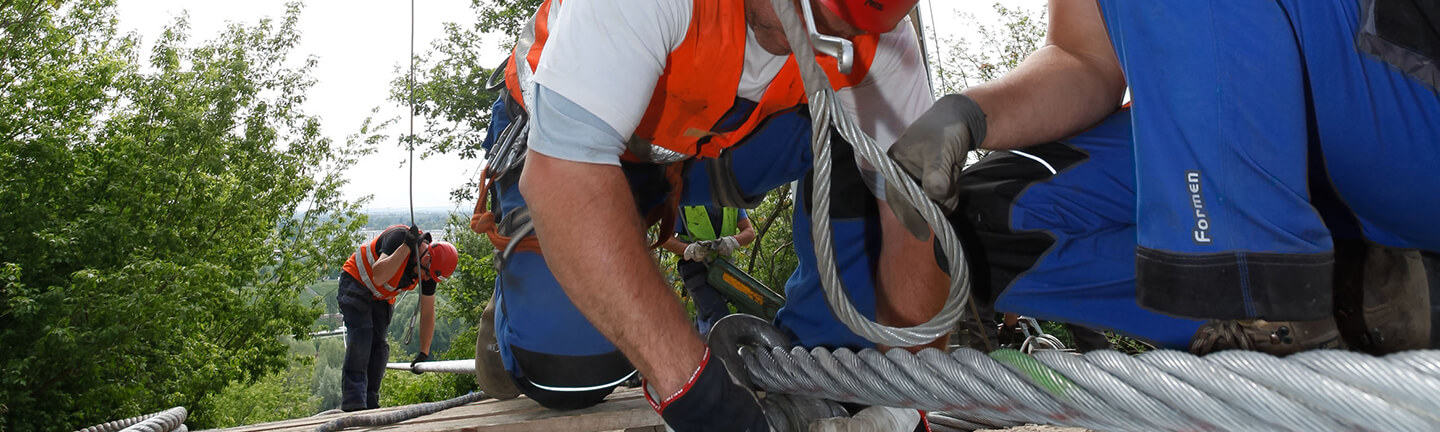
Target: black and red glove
(711, 401)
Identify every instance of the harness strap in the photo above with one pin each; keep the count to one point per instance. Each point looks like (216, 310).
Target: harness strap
(665, 213)
(482, 221)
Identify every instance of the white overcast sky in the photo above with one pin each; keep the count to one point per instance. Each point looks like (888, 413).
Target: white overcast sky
(360, 43)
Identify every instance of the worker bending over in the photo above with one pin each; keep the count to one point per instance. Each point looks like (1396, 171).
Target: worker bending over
(397, 260)
(634, 111)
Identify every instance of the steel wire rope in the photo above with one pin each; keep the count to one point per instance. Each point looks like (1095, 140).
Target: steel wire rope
(1106, 390)
(171, 420)
(824, 109)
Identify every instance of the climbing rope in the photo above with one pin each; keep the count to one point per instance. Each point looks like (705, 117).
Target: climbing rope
(826, 112)
(1107, 390)
(399, 415)
(410, 140)
(164, 421)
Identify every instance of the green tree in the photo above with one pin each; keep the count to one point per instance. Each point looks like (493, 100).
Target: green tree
(157, 223)
(450, 84)
(771, 258)
(282, 395)
(995, 49)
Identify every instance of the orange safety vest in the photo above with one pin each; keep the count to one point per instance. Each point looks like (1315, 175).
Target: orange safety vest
(696, 90)
(361, 269)
(701, 78)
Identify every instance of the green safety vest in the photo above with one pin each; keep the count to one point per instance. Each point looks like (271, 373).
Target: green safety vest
(697, 223)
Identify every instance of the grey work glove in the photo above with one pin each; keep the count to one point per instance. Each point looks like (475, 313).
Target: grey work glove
(697, 251)
(933, 151)
(726, 245)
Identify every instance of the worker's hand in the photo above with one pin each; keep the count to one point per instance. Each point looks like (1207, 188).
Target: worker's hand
(419, 358)
(413, 238)
(727, 245)
(933, 151)
(711, 401)
(697, 251)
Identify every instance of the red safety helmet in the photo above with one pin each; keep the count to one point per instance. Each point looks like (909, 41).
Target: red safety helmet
(872, 16)
(443, 259)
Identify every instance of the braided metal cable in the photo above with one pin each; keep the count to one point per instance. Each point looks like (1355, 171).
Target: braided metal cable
(826, 112)
(466, 367)
(164, 421)
(399, 415)
(1107, 390)
(115, 425)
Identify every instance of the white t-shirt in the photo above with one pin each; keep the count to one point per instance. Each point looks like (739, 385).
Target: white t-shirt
(601, 63)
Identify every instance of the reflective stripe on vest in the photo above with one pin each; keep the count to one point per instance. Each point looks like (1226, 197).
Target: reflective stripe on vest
(698, 226)
(700, 83)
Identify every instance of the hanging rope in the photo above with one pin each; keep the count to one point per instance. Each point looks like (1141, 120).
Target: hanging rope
(939, 57)
(410, 140)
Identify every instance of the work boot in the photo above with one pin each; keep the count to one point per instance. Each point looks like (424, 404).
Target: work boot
(490, 373)
(1279, 338)
(1383, 303)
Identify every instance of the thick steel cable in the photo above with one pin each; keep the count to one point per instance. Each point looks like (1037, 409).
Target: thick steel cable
(165, 421)
(826, 111)
(399, 415)
(115, 425)
(466, 367)
(1106, 390)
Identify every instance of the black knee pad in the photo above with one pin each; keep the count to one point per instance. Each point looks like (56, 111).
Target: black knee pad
(569, 382)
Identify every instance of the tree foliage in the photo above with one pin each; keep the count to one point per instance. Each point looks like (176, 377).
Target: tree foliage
(995, 49)
(158, 220)
(450, 87)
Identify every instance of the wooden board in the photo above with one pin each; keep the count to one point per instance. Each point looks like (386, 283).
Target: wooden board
(625, 410)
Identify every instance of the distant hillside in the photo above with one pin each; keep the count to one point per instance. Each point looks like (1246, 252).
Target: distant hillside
(428, 219)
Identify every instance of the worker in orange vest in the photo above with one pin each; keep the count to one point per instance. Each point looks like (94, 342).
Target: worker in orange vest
(625, 114)
(397, 260)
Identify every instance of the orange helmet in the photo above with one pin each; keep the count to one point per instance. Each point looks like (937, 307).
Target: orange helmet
(872, 16)
(443, 259)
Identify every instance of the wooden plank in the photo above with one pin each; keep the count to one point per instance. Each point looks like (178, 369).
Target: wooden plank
(624, 410)
(617, 413)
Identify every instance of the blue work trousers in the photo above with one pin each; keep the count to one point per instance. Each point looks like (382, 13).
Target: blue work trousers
(1247, 115)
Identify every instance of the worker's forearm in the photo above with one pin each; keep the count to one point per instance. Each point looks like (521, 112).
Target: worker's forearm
(608, 273)
(427, 322)
(675, 246)
(910, 288)
(746, 234)
(1051, 95)
(388, 265)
